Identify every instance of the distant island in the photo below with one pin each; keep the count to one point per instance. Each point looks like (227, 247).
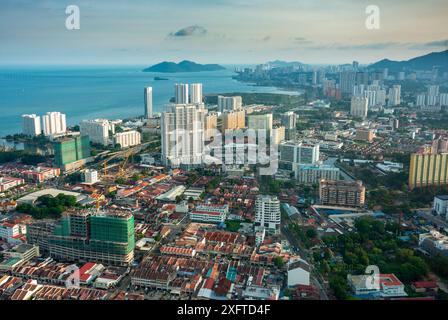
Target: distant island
(427, 62)
(160, 78)
(183, 66)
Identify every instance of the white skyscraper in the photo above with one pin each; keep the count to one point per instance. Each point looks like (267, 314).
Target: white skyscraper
(267, 213)
(181, 93)
(421, 100)
(196, 93)
(98, 130)
(54, 123)
(31, 125)
(371, 97)
(359, 107)
(183, 135)
(394, 95)
(148, 102)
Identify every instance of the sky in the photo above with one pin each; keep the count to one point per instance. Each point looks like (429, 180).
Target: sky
(144, 32)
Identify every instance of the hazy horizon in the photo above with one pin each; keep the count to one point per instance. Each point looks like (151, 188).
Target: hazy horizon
(228, 32)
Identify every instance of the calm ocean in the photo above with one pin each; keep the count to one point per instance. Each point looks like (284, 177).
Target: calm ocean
(91, 92)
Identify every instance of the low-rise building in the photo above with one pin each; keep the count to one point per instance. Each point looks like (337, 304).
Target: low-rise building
(7, 183)
(41, 174)
(441, 205)
(434, 243)
(388, 285)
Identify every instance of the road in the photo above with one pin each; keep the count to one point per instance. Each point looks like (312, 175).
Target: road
(315, 278)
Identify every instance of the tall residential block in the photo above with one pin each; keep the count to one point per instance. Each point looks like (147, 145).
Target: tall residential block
(196, 93)
(428, 169)
(267, 213)
(229, 103)
(359, 107)
(148, 102)
(54, 123)
(289, 120)
(182, 135)
(181, 93)
(342, 193)
(31, 125)
(98, 130)
(233, 120)
(293, 154)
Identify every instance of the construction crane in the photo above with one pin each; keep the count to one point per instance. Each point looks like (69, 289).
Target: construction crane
(121, 170)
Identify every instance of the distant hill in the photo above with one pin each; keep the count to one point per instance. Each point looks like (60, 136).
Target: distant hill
(283, 64)
(183, 66)
(426, 62)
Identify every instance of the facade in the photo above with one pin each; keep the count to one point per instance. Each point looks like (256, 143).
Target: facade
(233, 120)
(148, 102)
(342, 193)
(294, 153)
(229, 103)
(428, 169)
(89, 236)
(195, 93)
(128, 138)
(312, 174)
(98, 130)
(181, 93)
(267, 213)
(441, 206)
(289, 120)
(9, 231)
(359, 107)
(260, 121)
(183, 135)
(31, 125)
(69, 150)
(54, 123)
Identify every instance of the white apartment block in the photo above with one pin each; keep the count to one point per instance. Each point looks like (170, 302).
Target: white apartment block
(182, 133)
(54, 123)
(267, 213)
(148, 102)
(394, 96)
(293, 154)
(181, 93)
(90, 176)
(229, 103)
(31, 125)
(359, 107)
(98, 130)
(127, 138)
(196, 93)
